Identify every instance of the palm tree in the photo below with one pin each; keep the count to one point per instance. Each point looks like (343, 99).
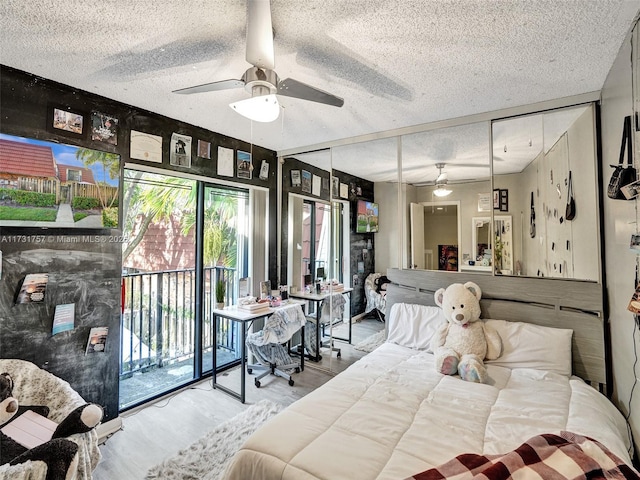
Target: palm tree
(110, 163)
(155, 198)
(220, 230)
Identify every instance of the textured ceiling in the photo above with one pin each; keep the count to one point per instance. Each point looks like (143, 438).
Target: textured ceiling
(396, 63)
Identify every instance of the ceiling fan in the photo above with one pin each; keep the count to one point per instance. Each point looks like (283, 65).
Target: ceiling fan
(441, 182)
(261, 80)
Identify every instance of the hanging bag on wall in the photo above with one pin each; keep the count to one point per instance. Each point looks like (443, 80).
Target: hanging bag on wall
(570, 213)
(532, 221)
(624, 174)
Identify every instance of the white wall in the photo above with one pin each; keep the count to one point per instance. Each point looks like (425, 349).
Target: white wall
(620, 221)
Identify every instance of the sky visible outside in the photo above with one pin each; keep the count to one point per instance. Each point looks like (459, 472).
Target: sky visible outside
(66, 155)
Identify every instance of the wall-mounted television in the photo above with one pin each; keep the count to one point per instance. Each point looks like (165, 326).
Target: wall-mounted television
(366, 217)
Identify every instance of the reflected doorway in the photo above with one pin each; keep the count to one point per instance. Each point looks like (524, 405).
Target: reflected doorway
(435, 235)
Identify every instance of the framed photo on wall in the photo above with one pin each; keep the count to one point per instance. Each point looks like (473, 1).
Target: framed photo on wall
(496, 199)
(295, 178)
(448, 258)
(67, 121)
(504, 200)
(104, 128)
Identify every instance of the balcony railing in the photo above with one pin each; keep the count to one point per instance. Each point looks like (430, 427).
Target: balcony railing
(158, 318)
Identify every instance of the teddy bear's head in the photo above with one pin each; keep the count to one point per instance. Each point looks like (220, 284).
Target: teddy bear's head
(8, 404)
(460, 303)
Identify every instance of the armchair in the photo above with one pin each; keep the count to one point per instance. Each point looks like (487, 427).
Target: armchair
(35, 386)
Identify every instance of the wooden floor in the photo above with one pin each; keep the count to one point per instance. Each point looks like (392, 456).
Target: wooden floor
(159, 430)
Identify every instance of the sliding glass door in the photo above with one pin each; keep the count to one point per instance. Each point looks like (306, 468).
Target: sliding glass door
(225, 261)
(185, 240)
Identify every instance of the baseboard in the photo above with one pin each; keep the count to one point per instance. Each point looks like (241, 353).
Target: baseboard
(105, 430)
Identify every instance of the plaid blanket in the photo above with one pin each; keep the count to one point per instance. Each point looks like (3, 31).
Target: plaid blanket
(565, 456)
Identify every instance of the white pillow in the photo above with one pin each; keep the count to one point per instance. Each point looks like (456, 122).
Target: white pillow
(413, 325)
(525, 345)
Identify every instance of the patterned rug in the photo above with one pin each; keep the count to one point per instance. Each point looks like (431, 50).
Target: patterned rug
(369, 344)
(207, 458)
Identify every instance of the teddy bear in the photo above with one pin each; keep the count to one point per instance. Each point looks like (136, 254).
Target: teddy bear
(59, 454)
(463, 343)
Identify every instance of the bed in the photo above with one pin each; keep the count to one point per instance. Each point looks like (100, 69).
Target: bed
(391, 416)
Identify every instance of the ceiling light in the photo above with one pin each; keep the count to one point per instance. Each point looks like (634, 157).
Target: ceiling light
(263, 108)
(441, 182)
(441, 191)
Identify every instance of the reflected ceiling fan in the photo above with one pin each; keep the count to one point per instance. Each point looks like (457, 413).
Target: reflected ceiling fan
(441, 189)
(261, 80)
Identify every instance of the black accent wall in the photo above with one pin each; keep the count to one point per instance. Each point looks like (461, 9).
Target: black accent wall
(85, 267)
(359, 189)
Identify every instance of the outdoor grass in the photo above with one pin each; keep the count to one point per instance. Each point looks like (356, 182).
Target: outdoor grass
(79, 216)
(29, 214)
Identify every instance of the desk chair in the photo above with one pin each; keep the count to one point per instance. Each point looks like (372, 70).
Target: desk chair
(376, 297)
(267, 345)
(331, 311)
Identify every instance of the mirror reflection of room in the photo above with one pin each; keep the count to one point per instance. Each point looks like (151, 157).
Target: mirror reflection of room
(447, 176)
(533, 159)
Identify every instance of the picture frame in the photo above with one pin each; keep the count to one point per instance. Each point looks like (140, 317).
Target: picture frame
(496, 199)
(104, 128)
(295, 178)
(484, 202)
(245, 165)
(204, 149)
(67, 121)
(335, 187)
(180, 150)
(448, 258)
(306, 181)
(504, 200)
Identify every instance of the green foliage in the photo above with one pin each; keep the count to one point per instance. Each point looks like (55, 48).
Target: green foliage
(79, 216)
(85, 203)
(24, 197)
(33, 213)
(221, 289)
(110, 217)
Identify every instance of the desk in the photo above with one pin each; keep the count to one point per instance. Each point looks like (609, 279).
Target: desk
(245, 318)
(318, 298)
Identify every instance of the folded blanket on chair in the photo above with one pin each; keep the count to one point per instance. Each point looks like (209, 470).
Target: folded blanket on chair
(568, 456)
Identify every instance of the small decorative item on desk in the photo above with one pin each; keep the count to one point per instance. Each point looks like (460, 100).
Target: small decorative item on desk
(250, 304)
(336, 286)
(275, 302)
(284, 293)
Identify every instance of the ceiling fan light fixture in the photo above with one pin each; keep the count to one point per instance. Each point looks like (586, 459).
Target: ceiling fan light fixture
(442, 191)
(262, 108)
(441, 182)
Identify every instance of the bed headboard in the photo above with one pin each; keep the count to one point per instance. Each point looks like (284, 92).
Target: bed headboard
(550, 302)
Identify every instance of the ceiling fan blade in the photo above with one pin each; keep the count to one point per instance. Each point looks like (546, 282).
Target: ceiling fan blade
(260, 34)
(293, 88)
(211, 87)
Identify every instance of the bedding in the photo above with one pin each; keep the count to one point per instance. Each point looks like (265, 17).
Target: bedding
(391, 415)
(567, 456)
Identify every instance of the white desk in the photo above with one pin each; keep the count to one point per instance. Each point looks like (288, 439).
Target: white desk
(245, 318)
(318, 298)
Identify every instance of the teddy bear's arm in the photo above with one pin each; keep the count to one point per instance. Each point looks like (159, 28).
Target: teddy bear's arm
(439, 337)
(494, 343)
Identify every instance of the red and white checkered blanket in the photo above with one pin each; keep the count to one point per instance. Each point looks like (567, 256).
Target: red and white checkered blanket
(543, 457)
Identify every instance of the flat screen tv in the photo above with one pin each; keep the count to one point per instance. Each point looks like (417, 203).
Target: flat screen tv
(366, 217)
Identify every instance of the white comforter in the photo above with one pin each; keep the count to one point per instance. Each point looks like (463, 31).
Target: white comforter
(390, 415)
